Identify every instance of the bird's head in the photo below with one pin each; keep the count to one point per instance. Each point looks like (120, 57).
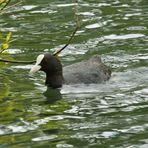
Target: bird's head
(52, 66)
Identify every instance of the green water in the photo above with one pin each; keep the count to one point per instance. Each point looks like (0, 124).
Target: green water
(114, 114)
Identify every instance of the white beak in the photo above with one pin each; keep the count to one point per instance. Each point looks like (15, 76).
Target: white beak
(34, 69)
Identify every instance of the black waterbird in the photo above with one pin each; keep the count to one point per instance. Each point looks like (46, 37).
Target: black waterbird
(89, 71)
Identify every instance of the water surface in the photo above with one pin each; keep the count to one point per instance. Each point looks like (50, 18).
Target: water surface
(113, 114)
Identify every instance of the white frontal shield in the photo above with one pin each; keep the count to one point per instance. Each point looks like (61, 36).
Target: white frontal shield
(37, 67)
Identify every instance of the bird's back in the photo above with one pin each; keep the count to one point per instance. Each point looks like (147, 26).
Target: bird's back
(89, 71)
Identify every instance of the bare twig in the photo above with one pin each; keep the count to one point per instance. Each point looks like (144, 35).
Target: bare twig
(17, 62)
(9, 7)
(1, 51)
(72, 36)
(57, 52)
(73, 33)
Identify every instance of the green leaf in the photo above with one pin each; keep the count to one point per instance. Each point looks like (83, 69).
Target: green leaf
(5, 46)
(3, 4)
(8, 37)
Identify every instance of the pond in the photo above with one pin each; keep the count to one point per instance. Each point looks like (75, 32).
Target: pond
(108, 115)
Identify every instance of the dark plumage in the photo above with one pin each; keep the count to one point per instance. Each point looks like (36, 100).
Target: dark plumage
(88, 71)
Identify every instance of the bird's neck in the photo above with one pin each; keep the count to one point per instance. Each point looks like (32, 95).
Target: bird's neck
(54, 80)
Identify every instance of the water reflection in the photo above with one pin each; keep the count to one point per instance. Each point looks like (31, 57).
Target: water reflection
(52, 95)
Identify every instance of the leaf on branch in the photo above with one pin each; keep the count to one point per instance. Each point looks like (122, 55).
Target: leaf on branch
(8, 37)
(5, 45)
(3, 4)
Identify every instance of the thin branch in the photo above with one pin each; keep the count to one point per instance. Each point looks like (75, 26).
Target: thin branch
(76, 14)
(17, 62)
(12, 6)
(72, 36)
(57, 52)
(73, 33)
(2, 50)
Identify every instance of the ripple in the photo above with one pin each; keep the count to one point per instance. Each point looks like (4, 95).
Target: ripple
(43, 138)
(28, 67)
(64, 146)
(10, 29)
(81, 89)
(55, 118)
(137, 28)
(132, 14)
(9, 129)
(133, 129)
(43, 11)
(66, 5)
(29, 7)
(105, 134)
(142, 91)
(108, 134)
(74, 109)
(87, 13)
(93, 26)
(14, 51)
(123, 37)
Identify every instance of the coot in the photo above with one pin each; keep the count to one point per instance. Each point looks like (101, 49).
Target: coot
(87, 72)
